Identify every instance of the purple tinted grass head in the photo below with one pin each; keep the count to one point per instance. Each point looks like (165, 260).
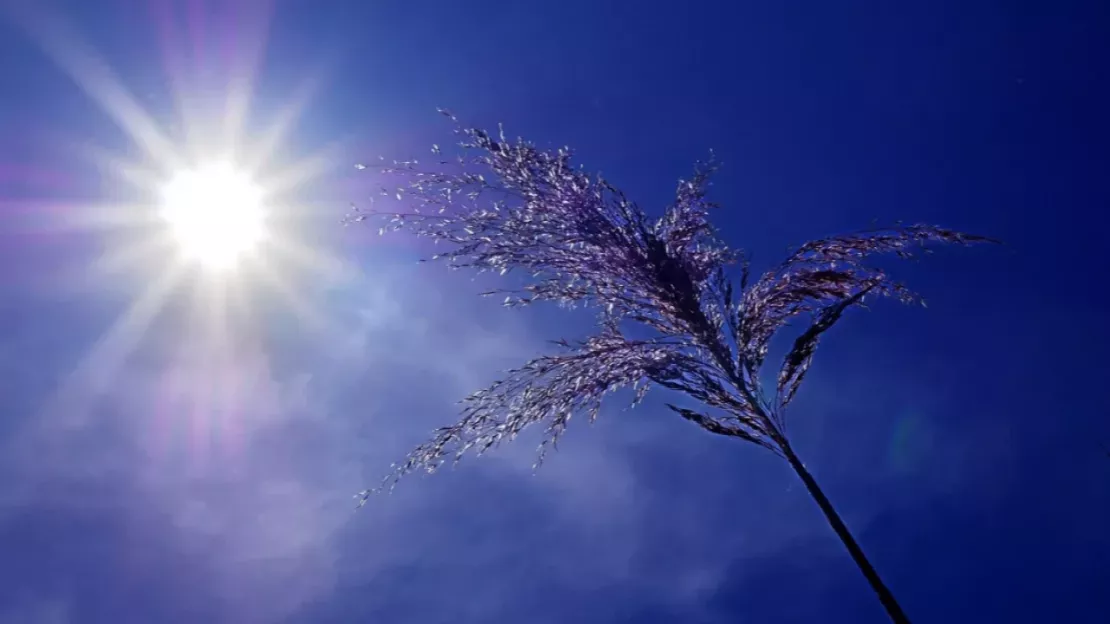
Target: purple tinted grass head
(507, 206)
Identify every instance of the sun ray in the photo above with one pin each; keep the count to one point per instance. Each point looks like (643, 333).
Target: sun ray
(304, 169)
(98, 369)
(203, 360)
(63, 45)
(139, 253)
(245, 64)
(106, 216)
(312, 318)
(322, 264)
(290, 257)
(268, 142)
(60, 216)
(176, 62)
(144, 178)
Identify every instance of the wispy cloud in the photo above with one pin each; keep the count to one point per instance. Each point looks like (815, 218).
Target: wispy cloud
(246, 460)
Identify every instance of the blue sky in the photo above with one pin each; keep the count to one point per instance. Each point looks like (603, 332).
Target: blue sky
(154, 469)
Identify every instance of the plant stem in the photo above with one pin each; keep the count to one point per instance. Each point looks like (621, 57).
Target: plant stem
(885, 596)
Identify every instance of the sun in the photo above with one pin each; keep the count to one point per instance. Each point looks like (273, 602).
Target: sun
(215, 212)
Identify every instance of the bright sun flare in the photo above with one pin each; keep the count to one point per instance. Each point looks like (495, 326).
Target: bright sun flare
(215, 213)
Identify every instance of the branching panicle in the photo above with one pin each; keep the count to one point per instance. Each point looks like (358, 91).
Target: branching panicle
(580, 240)
(549, 389)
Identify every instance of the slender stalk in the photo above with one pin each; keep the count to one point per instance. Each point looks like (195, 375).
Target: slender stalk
(885, 596)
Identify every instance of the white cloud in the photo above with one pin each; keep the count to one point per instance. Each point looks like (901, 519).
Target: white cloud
(254, 455)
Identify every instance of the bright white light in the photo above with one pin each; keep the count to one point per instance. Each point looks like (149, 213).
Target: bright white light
(215, 213)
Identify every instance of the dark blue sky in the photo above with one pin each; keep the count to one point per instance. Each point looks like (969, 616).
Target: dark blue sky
(154, 469)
